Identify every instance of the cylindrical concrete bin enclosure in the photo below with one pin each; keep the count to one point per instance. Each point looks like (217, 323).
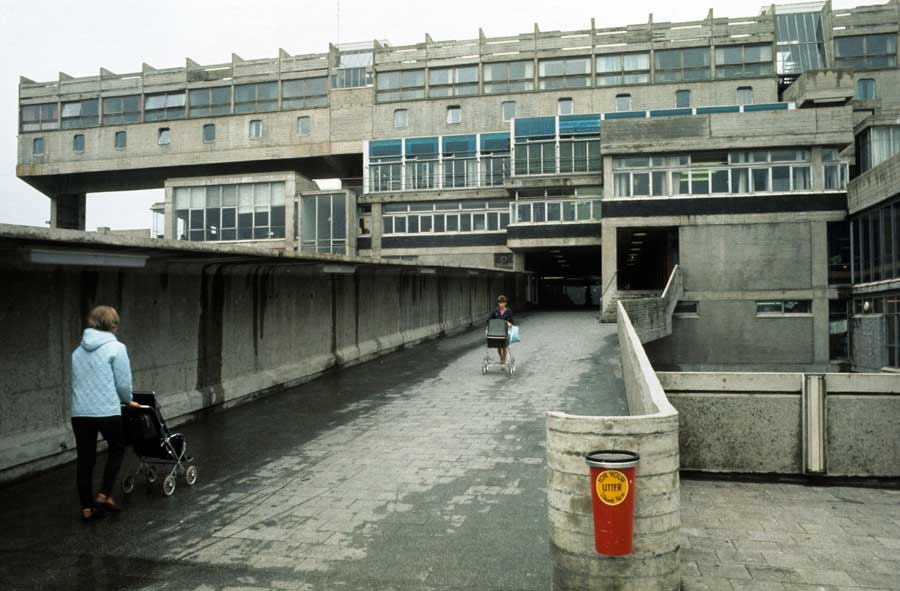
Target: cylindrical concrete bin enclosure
(612, 500)
(653, 564)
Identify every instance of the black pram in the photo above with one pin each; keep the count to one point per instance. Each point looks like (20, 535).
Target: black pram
(146, 431)
(497, 336)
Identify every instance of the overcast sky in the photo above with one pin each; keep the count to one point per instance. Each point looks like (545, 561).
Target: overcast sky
(40, 38)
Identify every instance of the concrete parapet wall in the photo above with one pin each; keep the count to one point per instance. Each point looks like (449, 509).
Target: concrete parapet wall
(652, 317)
(217, 334)
(754, 423)
(651, 429)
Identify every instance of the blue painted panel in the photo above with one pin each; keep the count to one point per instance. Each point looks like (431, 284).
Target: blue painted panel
(459, 144)
(579, 124)
(421, 146)
(536, 127)
(385, 148)
(495, 142)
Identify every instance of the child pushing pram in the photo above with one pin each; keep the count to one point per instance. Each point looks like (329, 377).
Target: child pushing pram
(501, 331)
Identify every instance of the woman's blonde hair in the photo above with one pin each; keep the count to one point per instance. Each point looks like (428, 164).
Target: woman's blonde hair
(103, 318)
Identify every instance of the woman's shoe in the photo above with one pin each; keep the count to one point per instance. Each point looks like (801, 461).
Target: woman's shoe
(107, 503)
(92, 514)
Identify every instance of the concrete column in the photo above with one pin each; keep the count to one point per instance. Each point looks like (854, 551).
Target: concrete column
(67, 211)
(377, 229)
(170, 225)
(608, 190)
(819, 273)
(290, 197)
(609, 264)
(817, 174)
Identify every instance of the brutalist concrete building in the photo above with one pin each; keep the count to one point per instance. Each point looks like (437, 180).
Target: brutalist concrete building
(759, 154)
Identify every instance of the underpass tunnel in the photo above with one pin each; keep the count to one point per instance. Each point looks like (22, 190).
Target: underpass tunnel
(565, 277)
(646, 257)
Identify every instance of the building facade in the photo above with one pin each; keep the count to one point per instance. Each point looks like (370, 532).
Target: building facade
(595, 160)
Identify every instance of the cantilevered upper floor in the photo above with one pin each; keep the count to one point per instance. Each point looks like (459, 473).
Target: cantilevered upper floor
(311, 113)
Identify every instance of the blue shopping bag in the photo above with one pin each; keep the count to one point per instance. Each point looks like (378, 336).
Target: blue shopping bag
(514, 335)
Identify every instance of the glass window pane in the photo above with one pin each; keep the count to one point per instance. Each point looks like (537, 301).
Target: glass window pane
(781, 178)
(760, 179)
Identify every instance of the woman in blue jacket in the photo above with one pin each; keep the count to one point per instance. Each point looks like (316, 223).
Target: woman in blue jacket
(101, 382)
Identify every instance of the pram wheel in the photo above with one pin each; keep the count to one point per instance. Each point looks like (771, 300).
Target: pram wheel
(190, 475)
(128, 484)
(151, 475)
(169, 485)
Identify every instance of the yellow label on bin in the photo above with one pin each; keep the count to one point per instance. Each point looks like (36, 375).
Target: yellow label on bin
(612, 487)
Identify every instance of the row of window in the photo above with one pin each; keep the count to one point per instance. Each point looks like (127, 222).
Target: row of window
(249, 211)
(876, 244)
(691, 309)
(164, 136)
(201, 102)
(757, 171)
(800, 48)
(671, 65)
(445, 217)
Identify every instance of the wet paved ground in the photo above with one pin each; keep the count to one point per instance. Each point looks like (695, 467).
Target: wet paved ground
(786, 537)
(412, 472)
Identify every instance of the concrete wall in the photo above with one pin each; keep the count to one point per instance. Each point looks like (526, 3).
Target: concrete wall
(651, 429)
(727, 268)
(722, 131)
(753, 423)
(211, 335)
(874, 186)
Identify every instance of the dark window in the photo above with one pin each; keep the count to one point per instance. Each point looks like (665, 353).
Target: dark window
(864, 52)
(38, 117)
(254, 98)
(743, 61)
(121, 139)
(78, 143)
(164, 106)
(508, 77)
(121, 109)
(401, 85)
(838, 253)
(164, 136)
(865, 88)
(37, 146)
(683, 99)
(304, 94)
(210, 101)
(209, 133)
(675, 65)
(455, 81)
(81, 113)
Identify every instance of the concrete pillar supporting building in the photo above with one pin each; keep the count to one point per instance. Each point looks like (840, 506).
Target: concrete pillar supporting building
(377, 229)
(67, 211)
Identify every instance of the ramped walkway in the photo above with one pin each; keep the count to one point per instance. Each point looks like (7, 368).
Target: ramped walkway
(412, 472)
(415, 472)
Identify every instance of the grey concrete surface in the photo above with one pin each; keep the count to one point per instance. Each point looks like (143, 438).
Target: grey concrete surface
(767, 536)
(413, 471)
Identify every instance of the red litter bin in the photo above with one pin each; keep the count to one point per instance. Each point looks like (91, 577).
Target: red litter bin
(612, 498)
